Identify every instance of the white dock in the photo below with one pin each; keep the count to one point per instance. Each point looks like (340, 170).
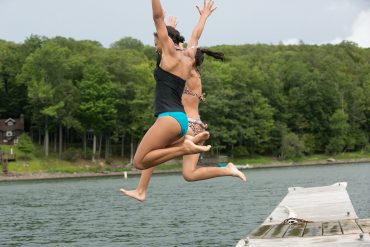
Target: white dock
(318, 216)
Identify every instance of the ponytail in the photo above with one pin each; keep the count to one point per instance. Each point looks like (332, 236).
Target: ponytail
(199, 57)
(214, 54)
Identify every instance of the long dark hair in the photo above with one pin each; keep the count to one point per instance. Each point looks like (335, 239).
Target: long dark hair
(199, 56)
(174, 34)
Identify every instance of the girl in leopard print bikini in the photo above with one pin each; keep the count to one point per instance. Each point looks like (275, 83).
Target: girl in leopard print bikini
(191, 98)
(193, 94)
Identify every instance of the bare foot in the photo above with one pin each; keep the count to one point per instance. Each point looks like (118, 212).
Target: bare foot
(235, 172)
(201, 137)
(134, 194)
(191, 148)
(198, 139)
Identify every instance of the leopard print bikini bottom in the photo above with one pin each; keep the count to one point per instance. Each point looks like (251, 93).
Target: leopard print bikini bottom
(197, 126)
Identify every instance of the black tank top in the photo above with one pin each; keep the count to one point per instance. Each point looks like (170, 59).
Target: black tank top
(168, 92)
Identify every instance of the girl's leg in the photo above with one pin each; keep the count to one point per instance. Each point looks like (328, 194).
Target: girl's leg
(140, 192)
(153, 148)
(192, 173)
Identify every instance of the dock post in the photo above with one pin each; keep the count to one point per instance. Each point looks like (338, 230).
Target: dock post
(4, 163)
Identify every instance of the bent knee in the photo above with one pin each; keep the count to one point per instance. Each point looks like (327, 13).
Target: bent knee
(188, 177)
(138, 164)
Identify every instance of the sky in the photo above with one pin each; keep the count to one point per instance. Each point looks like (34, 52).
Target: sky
(234, 22)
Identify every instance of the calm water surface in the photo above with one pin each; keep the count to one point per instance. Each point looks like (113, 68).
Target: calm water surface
(218, 212)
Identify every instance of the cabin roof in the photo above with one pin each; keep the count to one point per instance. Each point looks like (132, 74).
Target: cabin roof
(18, 124)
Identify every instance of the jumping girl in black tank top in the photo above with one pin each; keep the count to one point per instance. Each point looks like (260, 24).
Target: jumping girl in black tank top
(164, 140)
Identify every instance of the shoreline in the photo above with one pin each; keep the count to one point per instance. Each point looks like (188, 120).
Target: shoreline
(52, 176)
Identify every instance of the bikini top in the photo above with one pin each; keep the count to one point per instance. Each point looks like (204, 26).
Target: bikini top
(188, 91)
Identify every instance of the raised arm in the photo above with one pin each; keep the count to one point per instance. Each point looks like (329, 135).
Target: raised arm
(205, 12)
(172, 21)
(160, 25)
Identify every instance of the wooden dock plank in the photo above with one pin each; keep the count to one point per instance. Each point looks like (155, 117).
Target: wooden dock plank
(313, 229)
(331, 228)
(295, 230)
(364, 225)
(277, 231)
(350, 227)
(320, 241)
(260, 231)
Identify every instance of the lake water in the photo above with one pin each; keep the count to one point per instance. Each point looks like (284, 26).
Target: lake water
(217, 212)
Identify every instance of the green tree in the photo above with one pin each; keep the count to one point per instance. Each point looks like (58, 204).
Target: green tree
(45, 70)
(13, 97)
(217, 79)
(25, 145)
(366, 88)
(131, 72)
(339, 131)
(128, 43)
(292, 147)
(97, 110)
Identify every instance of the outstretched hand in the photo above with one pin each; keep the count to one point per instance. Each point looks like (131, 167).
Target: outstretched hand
(172, 21)
(207, 9)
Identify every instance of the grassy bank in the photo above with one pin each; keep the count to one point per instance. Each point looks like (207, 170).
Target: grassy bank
(52, 165)
(310, 159)
(36, 163)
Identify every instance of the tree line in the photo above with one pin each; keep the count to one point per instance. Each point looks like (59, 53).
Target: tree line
(278, 100)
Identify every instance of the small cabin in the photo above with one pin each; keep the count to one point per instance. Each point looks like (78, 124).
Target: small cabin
(10, 130)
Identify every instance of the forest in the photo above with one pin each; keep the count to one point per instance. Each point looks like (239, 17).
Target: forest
(280, 100)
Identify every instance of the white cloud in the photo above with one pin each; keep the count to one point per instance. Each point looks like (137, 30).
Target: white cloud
(361, 30)
(291, 41)
(335, 41)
